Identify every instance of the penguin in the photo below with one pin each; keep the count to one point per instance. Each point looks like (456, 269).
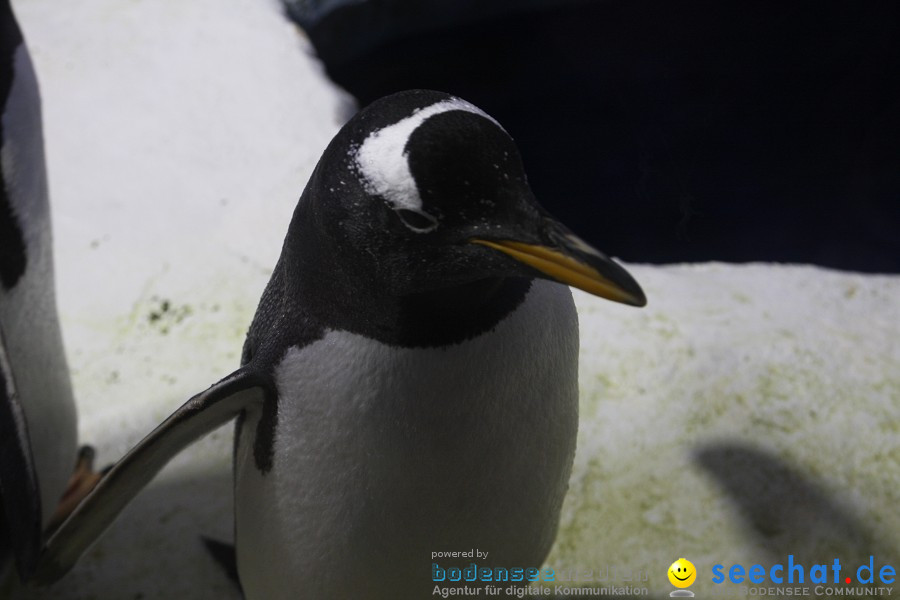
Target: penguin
(408, 384)
(38, 427)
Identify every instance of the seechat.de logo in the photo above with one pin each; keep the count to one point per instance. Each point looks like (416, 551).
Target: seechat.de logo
(796, 572)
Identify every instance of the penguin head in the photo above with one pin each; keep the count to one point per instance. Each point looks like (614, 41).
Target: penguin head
(422, 190)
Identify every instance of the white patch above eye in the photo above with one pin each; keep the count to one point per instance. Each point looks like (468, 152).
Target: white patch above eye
(383, 164)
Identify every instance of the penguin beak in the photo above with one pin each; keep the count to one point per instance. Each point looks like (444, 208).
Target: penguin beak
(566, 258)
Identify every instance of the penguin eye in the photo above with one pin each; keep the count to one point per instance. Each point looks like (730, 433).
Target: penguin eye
(420, 222)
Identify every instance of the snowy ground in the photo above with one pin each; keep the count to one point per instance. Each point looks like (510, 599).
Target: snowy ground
(747, 413)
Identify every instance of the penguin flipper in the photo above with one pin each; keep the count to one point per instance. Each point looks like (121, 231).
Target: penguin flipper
(198, 416)
(20, 499)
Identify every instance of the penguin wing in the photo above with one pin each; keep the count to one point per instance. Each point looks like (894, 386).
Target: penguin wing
(198, 416)
(20, 518)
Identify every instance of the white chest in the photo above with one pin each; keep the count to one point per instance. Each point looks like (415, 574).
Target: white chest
(384, 455)
(28, 311)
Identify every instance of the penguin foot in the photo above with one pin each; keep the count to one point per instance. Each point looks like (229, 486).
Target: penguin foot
(83, 480)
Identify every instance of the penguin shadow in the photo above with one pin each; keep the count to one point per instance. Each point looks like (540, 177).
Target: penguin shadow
(156, 548)
(786, 511)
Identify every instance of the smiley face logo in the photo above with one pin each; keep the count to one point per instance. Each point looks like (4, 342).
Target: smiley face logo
(682, 573)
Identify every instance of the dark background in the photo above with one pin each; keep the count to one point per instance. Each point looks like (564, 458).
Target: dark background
(668, 131)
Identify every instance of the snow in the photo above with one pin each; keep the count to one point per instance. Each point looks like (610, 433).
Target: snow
(748, 412)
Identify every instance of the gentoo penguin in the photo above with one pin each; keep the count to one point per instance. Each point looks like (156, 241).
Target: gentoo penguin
(37, 411)
(409, 382)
